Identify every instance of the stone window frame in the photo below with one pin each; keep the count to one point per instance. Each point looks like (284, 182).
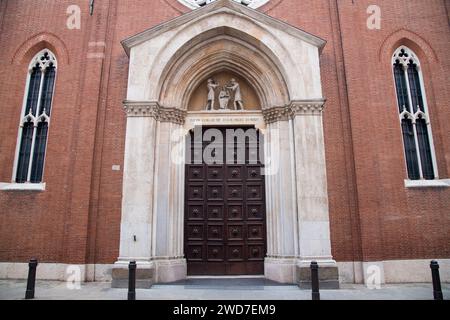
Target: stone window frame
(44, 59)
(405, 56)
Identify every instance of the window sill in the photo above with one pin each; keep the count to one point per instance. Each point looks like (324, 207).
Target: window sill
(22, 186)
(444, 183)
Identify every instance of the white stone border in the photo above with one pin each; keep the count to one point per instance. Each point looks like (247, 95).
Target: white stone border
(56, 271)
(22, 186)
(394, 271)
(443, 183)
(228, 117)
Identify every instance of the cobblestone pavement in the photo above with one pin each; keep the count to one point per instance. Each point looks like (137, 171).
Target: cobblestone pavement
(210, 290)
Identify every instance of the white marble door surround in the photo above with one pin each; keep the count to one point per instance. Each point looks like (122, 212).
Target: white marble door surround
(167, 63)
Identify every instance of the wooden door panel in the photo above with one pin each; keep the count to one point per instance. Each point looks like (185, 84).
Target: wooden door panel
(195, 232)
(235, 192)
(195, 252)
(235, 252)
(216, 253)
(236, 232)
(254, 192)
(215, 212)
(225, 231)
(235, 173)
(256, 252)
(255, 211)
(216, 232)
(195, 212)
(255, 232)
(215, 192)
(196, 173)
(215, 173)
(235, 212)
(253, 173)
(195, 192)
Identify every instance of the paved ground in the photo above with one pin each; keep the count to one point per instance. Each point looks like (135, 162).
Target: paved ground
(240, 289)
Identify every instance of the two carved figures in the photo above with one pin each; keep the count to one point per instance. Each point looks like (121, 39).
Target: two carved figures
(225, 94)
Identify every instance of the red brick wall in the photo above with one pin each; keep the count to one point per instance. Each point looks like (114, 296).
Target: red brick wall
(77, 219)
(396, 222)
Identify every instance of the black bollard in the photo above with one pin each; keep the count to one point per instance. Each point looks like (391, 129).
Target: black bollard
(31, 282)
(132, 280)
(315, 280)
(437, 290)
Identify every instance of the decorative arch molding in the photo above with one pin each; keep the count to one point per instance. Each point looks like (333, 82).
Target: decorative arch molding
(38, 42)
(191, 65)
(230, 20)
(410, 39)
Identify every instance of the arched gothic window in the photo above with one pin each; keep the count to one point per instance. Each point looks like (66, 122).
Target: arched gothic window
(35, 119)
(414, 115)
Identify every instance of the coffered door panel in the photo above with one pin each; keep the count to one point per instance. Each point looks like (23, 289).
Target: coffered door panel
(225, 219)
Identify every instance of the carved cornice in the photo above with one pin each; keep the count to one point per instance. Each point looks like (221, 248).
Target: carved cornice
(307, 107)
(293, 109)
(173, 115)
(154, 110)
(141, 109)
(275, 114)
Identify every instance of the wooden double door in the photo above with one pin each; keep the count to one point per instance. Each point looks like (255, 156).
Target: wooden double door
(225, 220)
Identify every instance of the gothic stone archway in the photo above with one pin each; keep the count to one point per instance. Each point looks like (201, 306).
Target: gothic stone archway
(167, 64)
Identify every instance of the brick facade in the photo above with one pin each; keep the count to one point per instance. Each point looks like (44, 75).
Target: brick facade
(77, 219)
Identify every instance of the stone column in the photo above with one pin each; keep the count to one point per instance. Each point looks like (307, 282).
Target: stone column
(312, 194)
(281, 210)
(136, 232)
(168, 210)
(153, 196)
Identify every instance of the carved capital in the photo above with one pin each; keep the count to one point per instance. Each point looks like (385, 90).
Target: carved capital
(295, 108)
(154, 110)
(306, 107)
(173, 115)
(141, 109)
(275, 114)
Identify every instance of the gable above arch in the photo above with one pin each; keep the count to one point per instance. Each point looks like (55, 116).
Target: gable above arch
(263, 47)
(194, 4)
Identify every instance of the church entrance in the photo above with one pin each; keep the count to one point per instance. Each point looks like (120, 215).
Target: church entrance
(225, 220)
(224, 66)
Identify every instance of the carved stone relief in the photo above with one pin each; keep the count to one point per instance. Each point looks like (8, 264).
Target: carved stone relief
(224, 91)
(229, 95)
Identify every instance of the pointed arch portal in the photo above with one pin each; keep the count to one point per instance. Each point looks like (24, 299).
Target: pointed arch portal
(279, 65)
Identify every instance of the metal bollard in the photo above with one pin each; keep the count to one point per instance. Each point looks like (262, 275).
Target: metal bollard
(31, 281)
(437, 290)
(132, 280)
(315, 280)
